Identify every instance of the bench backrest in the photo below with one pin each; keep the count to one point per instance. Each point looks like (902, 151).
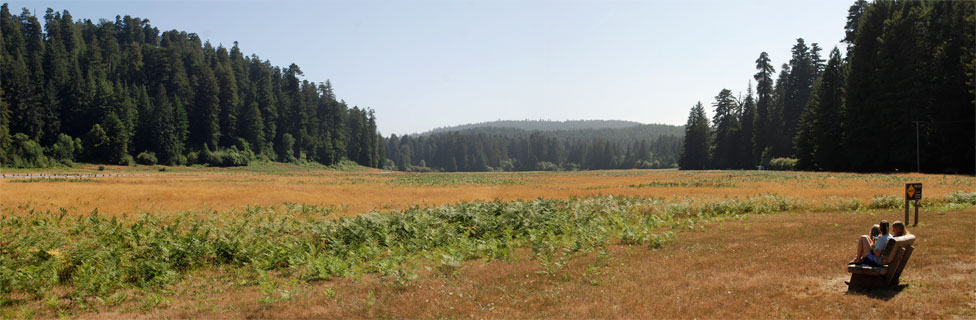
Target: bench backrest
(893, 246)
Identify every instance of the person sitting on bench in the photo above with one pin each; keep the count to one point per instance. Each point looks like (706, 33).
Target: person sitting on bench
(870, 238)
(898, 229)
(869, 249)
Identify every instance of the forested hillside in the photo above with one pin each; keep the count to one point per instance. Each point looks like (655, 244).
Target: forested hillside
(906, 83)
(121, 92)
(492, 148)
(539, 125)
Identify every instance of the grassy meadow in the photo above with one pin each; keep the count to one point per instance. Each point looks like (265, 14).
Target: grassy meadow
(290, 241)
(348, 193)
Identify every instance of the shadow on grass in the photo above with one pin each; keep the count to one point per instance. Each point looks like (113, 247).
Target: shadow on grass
(879, 293)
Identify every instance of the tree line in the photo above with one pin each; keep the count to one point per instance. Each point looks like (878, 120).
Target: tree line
(518, 150)
(119, 92)
(905, 83)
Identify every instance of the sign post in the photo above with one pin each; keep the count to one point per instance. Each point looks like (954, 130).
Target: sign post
(913, 191)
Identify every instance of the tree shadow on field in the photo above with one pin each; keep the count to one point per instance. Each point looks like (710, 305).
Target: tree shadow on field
(879, 293)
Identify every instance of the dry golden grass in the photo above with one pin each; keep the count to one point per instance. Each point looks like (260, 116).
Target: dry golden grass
(774, 266)
(786, 265)
(358, 192)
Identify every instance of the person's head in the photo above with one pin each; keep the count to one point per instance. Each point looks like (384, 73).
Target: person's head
(875, 231)
(884, 227)
(898, 229)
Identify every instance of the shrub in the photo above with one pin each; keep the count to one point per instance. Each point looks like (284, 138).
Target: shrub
(506, 165)
(64, 150)
(97, 144)
(960, 197)
(262, 158)
(287, 153)
(25, 153)
(243, 145)
(644, 164)
(147, 158)
(192, 158)
(231, 157)
(886, 202)
(546, 166)
(782, 164)
(389, 165)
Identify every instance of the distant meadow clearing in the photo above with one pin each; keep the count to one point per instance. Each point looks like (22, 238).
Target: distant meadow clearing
(353, 193)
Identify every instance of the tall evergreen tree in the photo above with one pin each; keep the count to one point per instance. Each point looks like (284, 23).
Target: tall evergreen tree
(5, 137)
(115, 149)
(263, 93)
(726, 126)
(205, 113)
(764, 127)
(780, 146)
(251, 126)
(853, 20)
(228, 97)
(803, 73)
(695, 152)
(947, 140)
(817, 61)
(819, 139)
(879, 141)
(746, 144)
(164, 131)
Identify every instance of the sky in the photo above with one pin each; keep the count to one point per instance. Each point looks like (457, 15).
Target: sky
(436, 63)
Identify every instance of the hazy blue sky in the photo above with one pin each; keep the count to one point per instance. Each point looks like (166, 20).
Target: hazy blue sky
(425, 64)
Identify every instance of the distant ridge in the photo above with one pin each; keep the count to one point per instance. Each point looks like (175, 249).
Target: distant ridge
(540, 125)
(618, 131)
(527, 145)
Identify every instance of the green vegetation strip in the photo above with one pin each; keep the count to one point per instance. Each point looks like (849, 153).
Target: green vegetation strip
(454, 179)
(95, 256)
(671, 184)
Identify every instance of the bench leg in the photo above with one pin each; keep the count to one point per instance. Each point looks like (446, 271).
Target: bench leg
(861, 282)
(901, 267)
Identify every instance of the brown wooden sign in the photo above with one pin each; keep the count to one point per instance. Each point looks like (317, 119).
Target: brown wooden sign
(913, 191)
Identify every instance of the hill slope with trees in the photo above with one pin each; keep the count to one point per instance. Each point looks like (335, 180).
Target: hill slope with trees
(539, 125)
(585, 145)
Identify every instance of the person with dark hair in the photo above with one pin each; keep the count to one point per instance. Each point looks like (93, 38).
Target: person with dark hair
(869, 249)
(875, 233)
(898, 229)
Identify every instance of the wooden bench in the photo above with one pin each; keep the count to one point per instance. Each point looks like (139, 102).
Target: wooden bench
(893, 259)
